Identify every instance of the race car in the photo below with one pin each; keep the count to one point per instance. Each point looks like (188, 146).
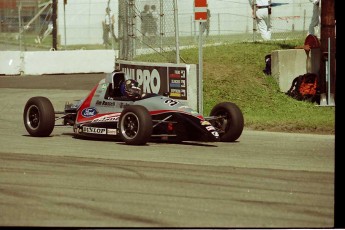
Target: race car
(116, 109)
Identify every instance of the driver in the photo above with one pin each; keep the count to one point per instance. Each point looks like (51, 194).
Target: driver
(130, 89)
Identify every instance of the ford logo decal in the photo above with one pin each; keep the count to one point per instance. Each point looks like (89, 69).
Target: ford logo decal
(89, 112)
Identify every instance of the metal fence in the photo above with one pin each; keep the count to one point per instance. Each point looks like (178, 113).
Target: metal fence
(26, 25)
(146, 26)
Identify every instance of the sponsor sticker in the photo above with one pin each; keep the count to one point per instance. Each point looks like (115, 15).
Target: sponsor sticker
(205, 123)
(112, 131)
(94, 130)
(105, 103)
(89, 112)
(107, 118)
(210, 128)
(110, 103)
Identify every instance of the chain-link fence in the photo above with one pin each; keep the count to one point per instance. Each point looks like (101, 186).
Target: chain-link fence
(27, 24)
(146, 26)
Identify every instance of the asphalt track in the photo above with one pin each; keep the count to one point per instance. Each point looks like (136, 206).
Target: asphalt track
(264, 180)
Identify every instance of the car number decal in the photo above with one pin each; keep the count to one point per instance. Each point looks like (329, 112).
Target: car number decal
(171, 102)
(215, 133)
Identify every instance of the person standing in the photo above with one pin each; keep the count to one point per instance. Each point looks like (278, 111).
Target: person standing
(207, 23)
(154, 23)
(315, 19)
(145, 17)
(108, 27)
(261, 10)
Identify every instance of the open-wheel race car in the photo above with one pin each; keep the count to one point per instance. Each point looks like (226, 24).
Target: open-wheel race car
(115, 108)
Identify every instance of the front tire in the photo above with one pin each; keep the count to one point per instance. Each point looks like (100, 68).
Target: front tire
(39, 117)
(229, 121)
(135, 125)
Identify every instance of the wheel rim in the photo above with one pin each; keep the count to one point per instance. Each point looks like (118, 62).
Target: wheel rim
(223, 120)
(130, 126)
(33, 117)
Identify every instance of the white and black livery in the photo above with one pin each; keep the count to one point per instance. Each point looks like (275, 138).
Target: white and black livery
(115, 108)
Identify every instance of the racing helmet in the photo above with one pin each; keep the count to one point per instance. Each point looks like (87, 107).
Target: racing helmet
(130, 88)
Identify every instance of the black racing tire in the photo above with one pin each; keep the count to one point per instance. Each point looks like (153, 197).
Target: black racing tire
(135, 125)
(229, 122)
(39, 117)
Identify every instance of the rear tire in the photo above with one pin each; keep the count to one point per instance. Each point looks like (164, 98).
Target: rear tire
(39, 117)
(229, 122)
(135, 125)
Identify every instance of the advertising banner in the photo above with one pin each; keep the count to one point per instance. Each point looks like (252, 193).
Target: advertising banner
(177, 80)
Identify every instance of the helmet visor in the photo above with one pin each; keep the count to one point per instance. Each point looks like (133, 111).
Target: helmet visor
(133, 89)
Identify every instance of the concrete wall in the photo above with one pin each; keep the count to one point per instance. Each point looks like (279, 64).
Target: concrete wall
(10, 63)
(285, 64)
(96, 61)
(56, 62)
(288, 64)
